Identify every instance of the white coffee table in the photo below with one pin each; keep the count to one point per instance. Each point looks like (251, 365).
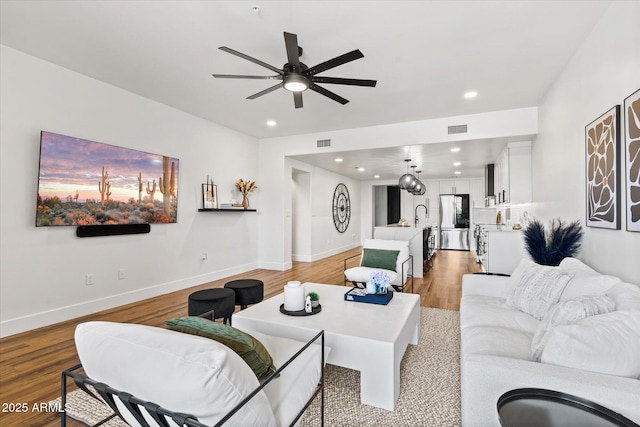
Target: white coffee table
(370, 338)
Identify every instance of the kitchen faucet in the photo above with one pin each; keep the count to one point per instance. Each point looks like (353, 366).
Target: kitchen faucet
(416, 213)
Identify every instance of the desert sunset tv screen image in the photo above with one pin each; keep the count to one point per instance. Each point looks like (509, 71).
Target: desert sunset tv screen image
(82, 182)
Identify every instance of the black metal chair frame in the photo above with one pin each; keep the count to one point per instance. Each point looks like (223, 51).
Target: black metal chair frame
(159, 414)
(399, 288)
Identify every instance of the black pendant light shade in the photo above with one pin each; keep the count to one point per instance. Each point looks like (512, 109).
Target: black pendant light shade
(407, 181)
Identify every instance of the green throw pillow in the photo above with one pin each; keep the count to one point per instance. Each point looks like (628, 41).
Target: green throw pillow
(380, 258)
(250, 349)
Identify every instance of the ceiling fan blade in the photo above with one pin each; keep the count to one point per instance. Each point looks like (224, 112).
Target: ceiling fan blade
(328, 93)
(297, 99)
(264, 92)
(291, 43)
(248, 58)
(341, 81)
(234, 76)
(332, 63)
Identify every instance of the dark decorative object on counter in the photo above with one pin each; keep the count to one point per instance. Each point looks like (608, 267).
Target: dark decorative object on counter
(563, 240)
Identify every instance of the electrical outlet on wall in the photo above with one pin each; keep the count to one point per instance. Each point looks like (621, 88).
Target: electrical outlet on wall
(88, 279)
(121, 274)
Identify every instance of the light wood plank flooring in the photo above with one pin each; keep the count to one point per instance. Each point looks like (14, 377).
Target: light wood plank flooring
(31, 362)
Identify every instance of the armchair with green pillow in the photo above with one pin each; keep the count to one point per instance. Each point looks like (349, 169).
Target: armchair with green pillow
(199, 373)
(390, 256)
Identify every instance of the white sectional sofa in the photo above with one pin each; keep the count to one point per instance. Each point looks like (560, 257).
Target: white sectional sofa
(596, 358)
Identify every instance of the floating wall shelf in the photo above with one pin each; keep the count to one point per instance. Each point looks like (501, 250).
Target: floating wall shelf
(225, 210)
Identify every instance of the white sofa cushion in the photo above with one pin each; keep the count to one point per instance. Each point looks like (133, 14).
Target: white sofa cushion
(576, 267)
(536, 288)
(608, 344)
(626, 296)
(495, 341)
(568, 312)
(363, 274)
(588, 284)
(289, 392)
(490, 311)
(180, 372)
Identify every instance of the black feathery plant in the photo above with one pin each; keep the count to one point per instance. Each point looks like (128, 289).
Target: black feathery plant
(563, 241)
(534, 238)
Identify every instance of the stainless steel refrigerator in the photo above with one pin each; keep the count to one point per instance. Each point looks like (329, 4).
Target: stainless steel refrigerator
(454, 221)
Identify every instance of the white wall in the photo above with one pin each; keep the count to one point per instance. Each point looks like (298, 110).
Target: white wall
(42, 270)
(301, 215)
(275, 170)
(604, 70)
(322, 237)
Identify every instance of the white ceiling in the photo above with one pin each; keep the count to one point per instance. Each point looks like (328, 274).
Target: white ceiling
(424, 55)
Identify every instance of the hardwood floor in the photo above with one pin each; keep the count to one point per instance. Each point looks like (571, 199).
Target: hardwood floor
(31, 362)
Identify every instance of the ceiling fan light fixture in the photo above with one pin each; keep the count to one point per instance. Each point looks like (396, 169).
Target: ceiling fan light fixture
(296, 83)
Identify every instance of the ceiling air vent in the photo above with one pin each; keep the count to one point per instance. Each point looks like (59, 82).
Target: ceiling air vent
(323, 143)
(457, 129)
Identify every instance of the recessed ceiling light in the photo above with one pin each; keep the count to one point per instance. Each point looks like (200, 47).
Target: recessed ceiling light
(455, 150)
(360, 169)
(376, 176)
(338, 159)
(457, 172)
(456, 163)
(271, 123)
(471, 94)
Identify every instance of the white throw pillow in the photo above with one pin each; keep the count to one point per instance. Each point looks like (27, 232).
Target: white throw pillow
(536, 288)
(577, 267)
(584, 284)
(626, 296)
(568, 312)
(608, 344)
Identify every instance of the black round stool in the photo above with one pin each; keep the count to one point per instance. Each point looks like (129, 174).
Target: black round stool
(221, 301)
(248, 291)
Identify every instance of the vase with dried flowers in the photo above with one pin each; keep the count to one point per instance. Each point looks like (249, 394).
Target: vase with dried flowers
(245, 187)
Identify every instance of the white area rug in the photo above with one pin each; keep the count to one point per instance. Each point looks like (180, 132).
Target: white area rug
(429, 387)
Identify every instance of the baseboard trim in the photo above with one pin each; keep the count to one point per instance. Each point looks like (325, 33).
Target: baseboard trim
(50, 317)
(335, 251)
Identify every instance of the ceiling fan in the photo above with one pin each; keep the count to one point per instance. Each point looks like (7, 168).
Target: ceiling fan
(297, 77)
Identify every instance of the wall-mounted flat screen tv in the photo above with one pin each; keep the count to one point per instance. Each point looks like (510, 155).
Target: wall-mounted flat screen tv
(84, 182)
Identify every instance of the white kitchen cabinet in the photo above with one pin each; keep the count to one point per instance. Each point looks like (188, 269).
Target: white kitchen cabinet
(504, 250)
(513, 174)
(476, 200)
(433, 201)
(454, 186)
(476, 192)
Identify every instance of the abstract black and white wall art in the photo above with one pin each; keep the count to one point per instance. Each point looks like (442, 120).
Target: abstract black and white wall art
(632, 155)
(602, 137)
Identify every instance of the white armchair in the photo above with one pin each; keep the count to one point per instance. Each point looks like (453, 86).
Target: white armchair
(390, 256)
(132, 365)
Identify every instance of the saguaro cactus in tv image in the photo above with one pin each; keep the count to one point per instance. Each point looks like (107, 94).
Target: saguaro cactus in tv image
(104, 186)
(168, 184)
(151, 191)
(140, 187)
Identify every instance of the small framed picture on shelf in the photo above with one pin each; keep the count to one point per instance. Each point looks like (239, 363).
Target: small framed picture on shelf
(209, 196)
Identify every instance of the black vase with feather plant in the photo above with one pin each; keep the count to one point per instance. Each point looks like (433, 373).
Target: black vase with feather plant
(563, 240)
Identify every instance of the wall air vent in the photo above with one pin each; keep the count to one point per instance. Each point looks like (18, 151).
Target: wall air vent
(323, 143)
(457, 129)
